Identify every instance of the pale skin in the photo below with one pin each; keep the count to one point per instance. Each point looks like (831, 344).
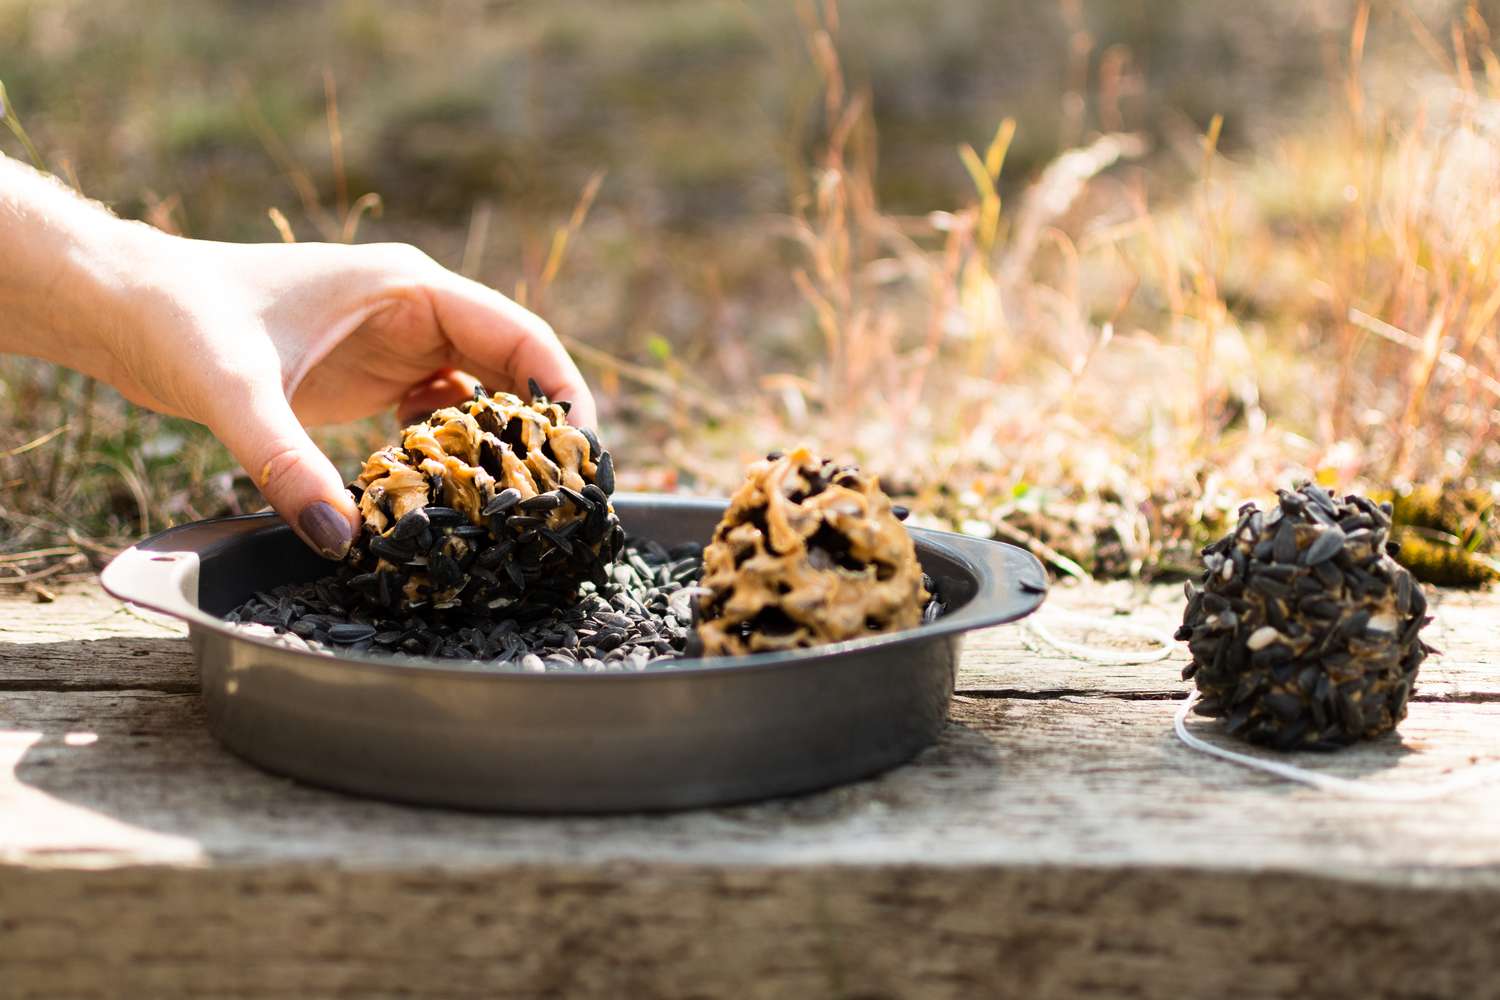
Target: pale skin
(259, 341)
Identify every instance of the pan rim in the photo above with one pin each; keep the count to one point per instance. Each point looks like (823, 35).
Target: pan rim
(980, 558)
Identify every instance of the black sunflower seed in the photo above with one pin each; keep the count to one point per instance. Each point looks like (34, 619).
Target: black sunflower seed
(541, 502)
(502, 502)
(609, 639)
(1324, 547)
(410, 526)
(1284, 545)
(576, 498)
(445, 517)
(1320, 497)
(388, 548)
(1329, 575)
(593, 439)
(604, 474)
(364, 581)
(445, 571)
(1284, 706)
(350, 632)
(387, 589)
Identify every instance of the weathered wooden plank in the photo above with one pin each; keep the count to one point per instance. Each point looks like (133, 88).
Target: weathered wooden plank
(1052, 844)
(79, 611)
(689, 932)
(125, 778)
(115, 663)
(86, 640)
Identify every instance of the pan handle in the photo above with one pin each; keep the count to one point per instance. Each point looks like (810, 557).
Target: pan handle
(1009, 582)
(161, 573)
(162, 580)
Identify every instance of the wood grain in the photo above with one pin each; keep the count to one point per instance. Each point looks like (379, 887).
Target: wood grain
(1058, 841)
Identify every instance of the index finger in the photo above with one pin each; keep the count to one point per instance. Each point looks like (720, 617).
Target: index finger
(499, 337)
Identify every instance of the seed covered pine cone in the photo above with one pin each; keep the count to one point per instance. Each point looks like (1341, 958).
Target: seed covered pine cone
(493, 504)
(808, 553)
(1304, 631)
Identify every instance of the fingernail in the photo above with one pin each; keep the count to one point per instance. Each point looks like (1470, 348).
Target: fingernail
(327, 529)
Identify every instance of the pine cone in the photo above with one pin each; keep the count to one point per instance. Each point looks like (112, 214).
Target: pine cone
(493, 504)
(1304, 632)
(808, 553)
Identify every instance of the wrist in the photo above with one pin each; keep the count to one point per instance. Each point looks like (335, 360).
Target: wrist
(112, 274)
(124, 296)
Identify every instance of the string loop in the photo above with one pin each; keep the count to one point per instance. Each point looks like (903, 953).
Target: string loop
(1345, 787)
(1470, 777)
(1161, 637)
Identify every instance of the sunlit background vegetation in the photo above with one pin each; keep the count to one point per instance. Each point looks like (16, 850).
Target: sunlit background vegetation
(1081, 275)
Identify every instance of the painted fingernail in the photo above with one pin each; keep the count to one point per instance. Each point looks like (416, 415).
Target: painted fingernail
(326, 528)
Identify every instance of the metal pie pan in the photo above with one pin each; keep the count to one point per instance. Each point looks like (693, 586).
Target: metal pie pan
(700, 732)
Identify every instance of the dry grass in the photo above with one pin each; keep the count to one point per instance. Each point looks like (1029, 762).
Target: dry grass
(1100, 358)
(1112, 375)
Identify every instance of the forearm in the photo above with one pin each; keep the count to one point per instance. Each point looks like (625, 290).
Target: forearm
(67, 271)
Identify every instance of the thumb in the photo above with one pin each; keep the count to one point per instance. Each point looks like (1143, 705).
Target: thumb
(298, 479)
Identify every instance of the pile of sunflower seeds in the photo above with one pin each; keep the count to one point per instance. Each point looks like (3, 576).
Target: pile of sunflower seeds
(640, 614)
(1303, 628)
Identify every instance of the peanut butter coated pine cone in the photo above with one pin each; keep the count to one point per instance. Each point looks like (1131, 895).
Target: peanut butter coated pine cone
(495, 504)
(808, 553)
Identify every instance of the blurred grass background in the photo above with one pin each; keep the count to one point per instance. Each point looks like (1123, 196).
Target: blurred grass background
(1082, 275)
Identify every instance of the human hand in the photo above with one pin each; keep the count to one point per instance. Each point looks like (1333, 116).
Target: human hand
(257, 340)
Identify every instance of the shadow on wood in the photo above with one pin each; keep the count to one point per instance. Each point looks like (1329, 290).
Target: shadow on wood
(123, 735)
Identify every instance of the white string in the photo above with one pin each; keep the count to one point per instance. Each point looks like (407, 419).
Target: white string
(1161, 637)
(1468, 778)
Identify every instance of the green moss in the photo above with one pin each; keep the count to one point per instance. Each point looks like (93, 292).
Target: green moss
(1447, 535)
(1441, 564)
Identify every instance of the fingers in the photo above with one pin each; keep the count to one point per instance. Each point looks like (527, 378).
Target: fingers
(299, 481)
(445, 388)
(501, 336)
